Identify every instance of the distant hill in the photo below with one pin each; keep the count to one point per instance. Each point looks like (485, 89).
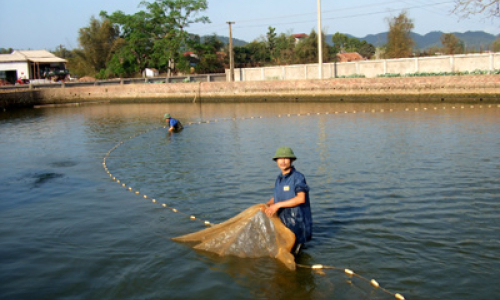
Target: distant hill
(472, 39)
(225, 40)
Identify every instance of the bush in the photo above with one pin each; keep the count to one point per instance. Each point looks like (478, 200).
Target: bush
(352, 76)
(423, 74)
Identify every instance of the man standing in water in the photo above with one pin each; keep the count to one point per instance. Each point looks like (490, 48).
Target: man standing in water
(173, 124)
(291, 199)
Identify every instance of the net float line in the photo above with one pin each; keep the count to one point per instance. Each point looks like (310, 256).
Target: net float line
(316, 267)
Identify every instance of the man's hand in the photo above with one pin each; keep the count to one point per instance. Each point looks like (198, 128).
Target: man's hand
(271, 210)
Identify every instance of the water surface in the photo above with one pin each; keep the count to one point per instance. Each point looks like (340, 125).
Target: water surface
(406, 194)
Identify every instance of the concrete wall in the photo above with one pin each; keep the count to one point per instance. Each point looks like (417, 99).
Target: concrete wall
(468, 88)
(373, 68)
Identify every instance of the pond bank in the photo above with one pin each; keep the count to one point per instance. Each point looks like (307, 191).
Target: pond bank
(470, 88)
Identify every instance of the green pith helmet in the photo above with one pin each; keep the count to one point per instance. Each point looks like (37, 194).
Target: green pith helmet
(284, 152)
(167, 116)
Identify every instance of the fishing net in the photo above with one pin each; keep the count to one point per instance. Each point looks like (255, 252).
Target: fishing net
(249, 234)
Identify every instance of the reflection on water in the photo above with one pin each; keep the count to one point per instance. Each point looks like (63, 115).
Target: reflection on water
(403, 193)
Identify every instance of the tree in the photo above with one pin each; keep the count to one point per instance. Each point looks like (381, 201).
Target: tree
(136, 42)
(271, 43)
(465, 8)
(451, 44)
(157, 37)
(170, 19)
(343, 43)
(339, 41)
(399, 42)
(257, 53)
(97, 42)
(242, 57)
(366, 49)
(208, 60)
(306, 51)
(495, 46)
(6, 50)
(62, 52)
(285, 49)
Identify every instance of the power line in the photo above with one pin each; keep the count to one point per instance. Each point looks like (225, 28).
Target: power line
(330, 18)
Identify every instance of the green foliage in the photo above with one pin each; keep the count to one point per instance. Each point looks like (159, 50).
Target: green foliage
(399, 42)
(156, 37)
(366, 49)
(207, 60)
(495, 46)
(389, 75)
(271, 43)
(253, 54)
(136, 43)
(62, 52)
(306, 51)
(343, 43)
(451, 44)
(98, 42)
(6, 50)
(424, 74)
(284, 49)
(352, 76)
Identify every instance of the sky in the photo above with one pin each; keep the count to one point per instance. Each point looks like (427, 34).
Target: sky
(49, 24)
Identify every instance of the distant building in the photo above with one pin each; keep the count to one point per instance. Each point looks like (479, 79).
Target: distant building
(299, 37)
(348, 57)
(30, 64)
(150, 72)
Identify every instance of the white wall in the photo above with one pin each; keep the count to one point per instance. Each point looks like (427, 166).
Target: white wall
(21, 67)
(373, 68)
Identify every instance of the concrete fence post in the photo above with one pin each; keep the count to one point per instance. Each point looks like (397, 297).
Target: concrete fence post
(262, 75)
(492, 62)
(416, 65)
(385, 66)
(283, 73)
(452, 63)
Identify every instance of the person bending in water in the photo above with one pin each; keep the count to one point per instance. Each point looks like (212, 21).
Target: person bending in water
(291, 199)
(174, 124)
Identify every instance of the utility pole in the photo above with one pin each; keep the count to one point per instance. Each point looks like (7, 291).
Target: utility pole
(231, 54)
(320, 43)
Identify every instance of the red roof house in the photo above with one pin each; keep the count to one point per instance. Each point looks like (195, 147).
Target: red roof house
(348, 57)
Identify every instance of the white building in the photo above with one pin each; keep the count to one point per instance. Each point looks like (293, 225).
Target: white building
(28, 64)
(150, 72)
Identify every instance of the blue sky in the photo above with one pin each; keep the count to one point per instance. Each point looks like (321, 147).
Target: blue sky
(36, 24)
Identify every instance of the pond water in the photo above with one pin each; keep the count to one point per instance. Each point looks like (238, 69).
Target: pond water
(407, 194)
